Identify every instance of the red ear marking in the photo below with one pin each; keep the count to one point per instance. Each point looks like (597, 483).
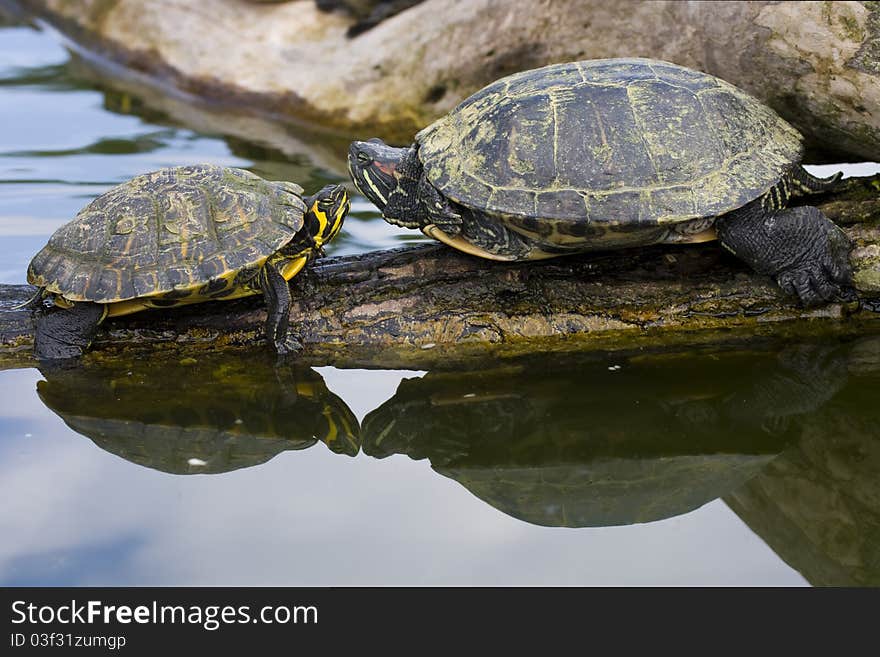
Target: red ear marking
(387, 169)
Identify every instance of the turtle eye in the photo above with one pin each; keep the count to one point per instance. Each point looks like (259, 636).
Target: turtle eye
(363, 158)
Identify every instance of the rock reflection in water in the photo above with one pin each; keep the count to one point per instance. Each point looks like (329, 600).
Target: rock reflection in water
(214, 415)
(818, 505)
(584, 444)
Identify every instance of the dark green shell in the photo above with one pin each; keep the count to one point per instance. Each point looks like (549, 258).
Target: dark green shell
(617, 141)
(172, 229)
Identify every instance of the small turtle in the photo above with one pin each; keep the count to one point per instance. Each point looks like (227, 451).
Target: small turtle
(221, 413)
(607, 154)
(178, 236)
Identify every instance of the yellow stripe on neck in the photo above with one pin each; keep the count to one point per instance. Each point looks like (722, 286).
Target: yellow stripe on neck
(322, 220)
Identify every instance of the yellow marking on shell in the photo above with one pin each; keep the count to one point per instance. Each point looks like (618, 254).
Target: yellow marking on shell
(461, 244)
(124, 226)
(306, 389)
(128, 243)
(540, 254)
(146, 303)
(332, 429)
(161, 302)
(707, 235)
(338, 427)
(127, 307)
(292, 267)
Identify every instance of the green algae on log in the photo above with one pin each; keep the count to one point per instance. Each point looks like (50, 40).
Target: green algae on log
(427, 305)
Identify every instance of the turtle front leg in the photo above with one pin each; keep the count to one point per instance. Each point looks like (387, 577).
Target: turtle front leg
(800, 247)
(437, 210)
(276, 292)
(64, 333)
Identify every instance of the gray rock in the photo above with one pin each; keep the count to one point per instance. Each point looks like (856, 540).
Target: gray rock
(815, 63)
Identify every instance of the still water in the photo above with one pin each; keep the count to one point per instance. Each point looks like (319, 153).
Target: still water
(756, 465)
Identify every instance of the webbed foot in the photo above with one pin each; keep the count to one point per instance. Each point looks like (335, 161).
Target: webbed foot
(63, 334)
(800, 247)
(812, 283)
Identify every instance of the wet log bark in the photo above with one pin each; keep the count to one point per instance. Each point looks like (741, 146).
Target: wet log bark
(427, 306)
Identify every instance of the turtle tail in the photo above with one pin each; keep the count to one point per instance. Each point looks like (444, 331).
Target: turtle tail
(34, 302)
(806, 183)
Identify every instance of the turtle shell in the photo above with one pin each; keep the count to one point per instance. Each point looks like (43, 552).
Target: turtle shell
(224, 412)
(634, 142)
(170, 230)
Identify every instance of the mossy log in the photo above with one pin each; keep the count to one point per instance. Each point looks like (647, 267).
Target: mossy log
(427, 306)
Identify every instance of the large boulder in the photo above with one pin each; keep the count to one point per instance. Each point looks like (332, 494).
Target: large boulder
(816, 63)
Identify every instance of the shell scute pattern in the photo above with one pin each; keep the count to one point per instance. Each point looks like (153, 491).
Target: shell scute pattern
(678, 135)
(167, 234)
(609, 143)
(684, 78)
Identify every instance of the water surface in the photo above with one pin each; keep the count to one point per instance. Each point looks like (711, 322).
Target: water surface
(754, 465)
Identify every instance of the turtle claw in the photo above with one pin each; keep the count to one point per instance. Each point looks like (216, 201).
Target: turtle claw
(812, 288)
(806, 253)
(824, 277)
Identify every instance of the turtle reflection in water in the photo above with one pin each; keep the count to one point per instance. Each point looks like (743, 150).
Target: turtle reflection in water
(569, 446)
(216, 415)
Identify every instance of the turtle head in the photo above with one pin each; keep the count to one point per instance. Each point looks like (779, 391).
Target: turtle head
(326, 212)
(389, 177)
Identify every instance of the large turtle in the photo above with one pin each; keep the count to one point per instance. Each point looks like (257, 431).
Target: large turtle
(606, 154)
(177, 236)
(559, 440)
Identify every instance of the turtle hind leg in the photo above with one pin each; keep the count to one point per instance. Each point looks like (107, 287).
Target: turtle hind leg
(800, 247)
(66, 333)
(803, 182)
(276, 292)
